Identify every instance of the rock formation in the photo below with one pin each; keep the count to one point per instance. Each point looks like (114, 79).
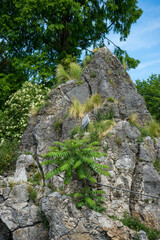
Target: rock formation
(130, 163)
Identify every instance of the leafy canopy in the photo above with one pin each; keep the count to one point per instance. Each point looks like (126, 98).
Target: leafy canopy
(150, 90)
(75, 156)
(39, 33)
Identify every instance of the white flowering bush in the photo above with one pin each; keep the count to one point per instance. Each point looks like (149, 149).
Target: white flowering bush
(13, 121)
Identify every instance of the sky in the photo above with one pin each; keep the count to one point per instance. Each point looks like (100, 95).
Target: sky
(143, 42)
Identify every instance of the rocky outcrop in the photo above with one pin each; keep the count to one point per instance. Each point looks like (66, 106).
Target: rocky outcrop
(130, 162)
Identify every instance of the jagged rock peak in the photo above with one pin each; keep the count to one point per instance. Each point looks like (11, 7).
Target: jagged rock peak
(130, 163)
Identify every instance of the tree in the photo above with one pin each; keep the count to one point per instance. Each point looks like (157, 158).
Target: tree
(11, 79)
(39, 33)
(150, 90)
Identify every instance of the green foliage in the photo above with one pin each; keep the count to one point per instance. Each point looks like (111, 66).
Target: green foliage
(136, 225)
(127, 61)
(11, 79)
(35, 179)
(78, 110)
(44, 220)
(87, 60)
(58, 125)
(39, 34)
(75, 156)
(99, 129)
(73, 71)
(91, 199)
(92, 74)
(8, 155)
(108, 115)
(110, 99)
(14, 119)
(32, 193)
(150, 90)
(156, 164)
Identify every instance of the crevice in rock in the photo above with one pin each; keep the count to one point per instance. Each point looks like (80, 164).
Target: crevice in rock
(89, 86)
(31, 225)
(5, 233)
(133, 197)
(37, 161)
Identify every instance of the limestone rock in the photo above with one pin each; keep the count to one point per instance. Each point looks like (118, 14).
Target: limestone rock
(130, 163)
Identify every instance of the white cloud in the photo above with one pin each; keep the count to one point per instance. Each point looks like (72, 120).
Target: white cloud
(147, 64)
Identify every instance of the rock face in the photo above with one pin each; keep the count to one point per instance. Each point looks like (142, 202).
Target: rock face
(130, 162)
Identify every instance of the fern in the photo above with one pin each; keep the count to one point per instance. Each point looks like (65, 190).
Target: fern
(75, 156)
(89, 198)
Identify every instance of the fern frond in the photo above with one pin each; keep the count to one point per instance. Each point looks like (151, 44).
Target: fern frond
(90, 202)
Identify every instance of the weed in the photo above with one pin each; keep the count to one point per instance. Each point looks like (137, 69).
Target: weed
(74, 131)
(111, 80)
(58, 125)
(44, 220)
(11, 184)
(32, 193)
(78, 110)
(8, 155)
(35, 180)
(87, 60)
(118, 141)
(74, 71)
(122, 99)
(110, 99)
(156, 164)
(107, 59)
(141, 160)
(92, 74)
(136, 225)
(133, 119)
(27, 153)
(109, 71)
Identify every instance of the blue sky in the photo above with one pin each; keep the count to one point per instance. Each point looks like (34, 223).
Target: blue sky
(143, 42)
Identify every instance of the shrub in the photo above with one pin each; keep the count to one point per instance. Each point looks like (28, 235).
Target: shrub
(32, 193)
(8, 155)
(91, 199)
(14, 119)
(75, 156)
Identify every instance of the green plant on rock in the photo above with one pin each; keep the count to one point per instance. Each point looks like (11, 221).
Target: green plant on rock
(75, 156)
(91, 199)
(8, 155)
(156, 164)
(58, 125)
(98, 130)
(74, 71)
(87, 60)
(14, 119)
(79, 110)
(136, 225)
(32, 193)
